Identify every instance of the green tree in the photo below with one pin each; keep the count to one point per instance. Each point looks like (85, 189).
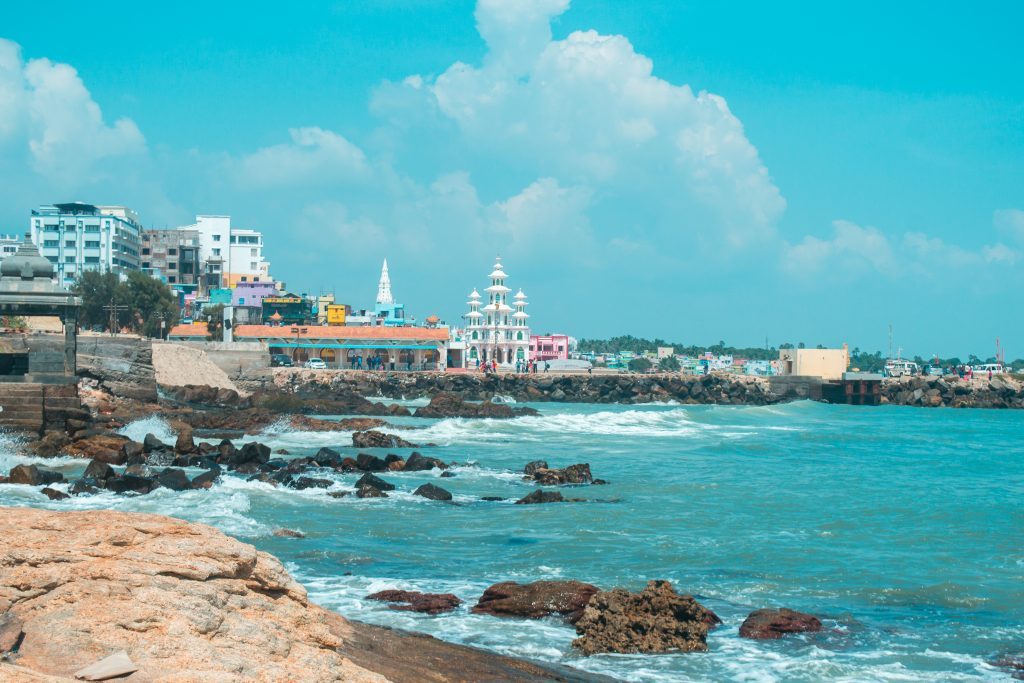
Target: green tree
(213, 316)
(639, 365)
(98, 290)
(150, 302)
(669, 364)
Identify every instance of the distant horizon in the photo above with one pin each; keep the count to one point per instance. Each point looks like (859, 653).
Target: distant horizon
(672, 170)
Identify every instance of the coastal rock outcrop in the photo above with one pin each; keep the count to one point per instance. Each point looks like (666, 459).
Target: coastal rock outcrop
(566, 599)
(539, 472)
(177, 597)
(447, 404)
(771, 624)
(657, 619)
(374, 439)
(414, 601)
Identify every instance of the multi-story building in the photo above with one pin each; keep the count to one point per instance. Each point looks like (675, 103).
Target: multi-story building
(78, 237)
(229, 255)
(549, 347)
(172, 256)
(8, 245)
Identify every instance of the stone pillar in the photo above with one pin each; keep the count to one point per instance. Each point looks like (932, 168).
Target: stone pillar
(71, 341)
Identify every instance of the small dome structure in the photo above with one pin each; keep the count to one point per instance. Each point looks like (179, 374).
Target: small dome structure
(27, 263)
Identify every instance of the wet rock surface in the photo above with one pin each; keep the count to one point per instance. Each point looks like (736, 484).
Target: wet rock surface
(771, 624)
(450, 405)
(414, 601)
(657, 619)
(566, 599)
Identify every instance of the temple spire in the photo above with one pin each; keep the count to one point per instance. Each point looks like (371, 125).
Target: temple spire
(384, 288)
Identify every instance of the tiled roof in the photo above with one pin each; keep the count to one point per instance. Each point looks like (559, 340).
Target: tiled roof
(342, 332)
(192, 330)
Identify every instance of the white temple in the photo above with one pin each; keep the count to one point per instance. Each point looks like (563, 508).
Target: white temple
(497, 331)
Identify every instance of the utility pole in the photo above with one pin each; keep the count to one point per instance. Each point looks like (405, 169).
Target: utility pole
(114, 308)
(890, 341)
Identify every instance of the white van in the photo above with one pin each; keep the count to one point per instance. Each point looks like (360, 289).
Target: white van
(899, 368)
(985, 368)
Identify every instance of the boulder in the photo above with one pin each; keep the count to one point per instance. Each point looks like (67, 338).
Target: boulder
(51, 445)
(374, 481)
(54, 494)
(85, 486)
(657, 619)
(185, 444)
(288, 533)
(532, 467)
(252, 452)
(370, 463)
(184, 601)
(98, 470)
(370, 492)
(418, 463)
(150, 443)
(327, 457)
(447, 404)
(311, 483)
(771, 624)
(105, 447)
(414, 601)
(33, 476)
(206, 479)
(131, 483)
(540, 496)
(573, 474)
(432, 492)
(375, 439)
(174, 479)
(566, 599)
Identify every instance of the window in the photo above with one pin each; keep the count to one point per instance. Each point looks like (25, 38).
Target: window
(53, 259)
(216, 238)
(92, 245)
(216, 252)
(94, 228)
(252, 252)
(245, 279)
(69, 243)
(172, 252)
(252, 265)
(51, 243)
(69, 259)
(519, 336)
(475, 336)
(145, 264)
(145, 251)
(92, 259)
(172, 266)
(172, 279)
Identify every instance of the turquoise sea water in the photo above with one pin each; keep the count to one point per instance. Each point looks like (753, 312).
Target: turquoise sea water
(902, 528)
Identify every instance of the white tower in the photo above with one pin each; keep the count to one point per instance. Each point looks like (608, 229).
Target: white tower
(384, 287)
(496, 333)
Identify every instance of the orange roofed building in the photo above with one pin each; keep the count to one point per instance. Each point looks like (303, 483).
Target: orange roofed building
(391, 348)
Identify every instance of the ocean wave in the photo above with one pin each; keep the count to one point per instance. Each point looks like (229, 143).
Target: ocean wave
(154, 424)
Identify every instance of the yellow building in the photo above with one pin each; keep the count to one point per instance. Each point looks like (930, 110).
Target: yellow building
(823, 363)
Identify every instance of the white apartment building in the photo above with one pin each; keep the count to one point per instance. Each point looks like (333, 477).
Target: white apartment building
(230, 255)
(78, 237)
(8, 245)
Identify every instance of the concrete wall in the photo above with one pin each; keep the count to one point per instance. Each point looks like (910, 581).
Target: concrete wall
(236, 358)
(823, 363)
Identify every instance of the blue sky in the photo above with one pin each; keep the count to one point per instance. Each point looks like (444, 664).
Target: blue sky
(695, 171)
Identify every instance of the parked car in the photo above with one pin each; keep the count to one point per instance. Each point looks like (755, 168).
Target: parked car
(315, 364)
(985, 368)
(281, 360)
(899, 368)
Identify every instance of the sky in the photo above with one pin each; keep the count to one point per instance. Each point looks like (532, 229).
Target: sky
(694, 171)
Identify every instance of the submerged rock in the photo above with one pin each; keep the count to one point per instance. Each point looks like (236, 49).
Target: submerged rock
(374, 481)
(573, 474)
(445, 404)
(771, 624)
(657, 619)
(375, 439)
(418, 463)
(311, 483)
(370, 492)
(566, 599)
(174, 479)
(414, 601)
(54, 494)
(288, 533)
(432, 492)
(540, 496)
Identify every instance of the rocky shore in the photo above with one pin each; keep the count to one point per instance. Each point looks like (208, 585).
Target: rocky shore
(1002, 391)
(176, 601)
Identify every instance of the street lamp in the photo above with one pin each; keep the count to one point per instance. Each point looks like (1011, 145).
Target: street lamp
(297, 331)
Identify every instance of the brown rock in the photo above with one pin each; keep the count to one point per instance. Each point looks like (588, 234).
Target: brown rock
(414, 601)
(446, 404)
(375, 439)
(177, 597)
(106, 447)
(54, 494)
(536, 600)
(185, 444)
(657, 619)
(288, 533)
(770, 624)
(573, 474)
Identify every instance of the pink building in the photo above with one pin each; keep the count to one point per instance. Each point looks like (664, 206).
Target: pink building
(553, 347)
(250, 294)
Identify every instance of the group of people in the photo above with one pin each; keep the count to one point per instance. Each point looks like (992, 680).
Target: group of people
(522, 366)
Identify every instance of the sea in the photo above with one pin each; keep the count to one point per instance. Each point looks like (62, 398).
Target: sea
(902, 528)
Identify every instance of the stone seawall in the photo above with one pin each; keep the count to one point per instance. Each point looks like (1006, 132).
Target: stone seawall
(625, 388)
(1002, 391)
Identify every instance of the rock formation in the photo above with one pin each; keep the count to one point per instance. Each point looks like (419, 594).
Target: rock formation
(535, 600)
(771, 624)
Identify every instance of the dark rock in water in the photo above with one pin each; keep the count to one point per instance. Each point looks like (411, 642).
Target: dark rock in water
(348, 465)
(1013, 664)
(447, 474)
(273, 465)
(418, 463)
(395, 463)
(375, 439)
(206, 462)
(540, 496)
(130, 450)
(282, 451)
(446, 404)
(492, 498)
(131, 483)
(33, 476)
(573, 474)
(185, 444)
(374, 481)
(161, 458)
(253, 452)
(427, 603)
(370, 463)
(99, 471)
(311, 483)
(771, 624)
(536, 600)
(54, 494)
(657, 619)
(246, 468)
(337, 494)
(370, 492)
(112, 448)
(532, 467)
(206, 479)
(288, 533)
(85, 486)
(151, 443)
(327, 457)
(599, 482)
(432, 492)
(174, 479)
(139, 470)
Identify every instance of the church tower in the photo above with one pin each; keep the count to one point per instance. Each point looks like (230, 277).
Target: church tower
(384, 286)
(497, 331)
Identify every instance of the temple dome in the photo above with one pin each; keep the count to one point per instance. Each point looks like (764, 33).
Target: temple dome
(26, 263)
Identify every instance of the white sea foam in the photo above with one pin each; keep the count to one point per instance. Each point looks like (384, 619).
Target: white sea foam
(154, 424)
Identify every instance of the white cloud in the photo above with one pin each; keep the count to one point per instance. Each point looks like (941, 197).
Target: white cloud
(45, 106)
(1010, 223)
(588, 112)
(314, 156)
